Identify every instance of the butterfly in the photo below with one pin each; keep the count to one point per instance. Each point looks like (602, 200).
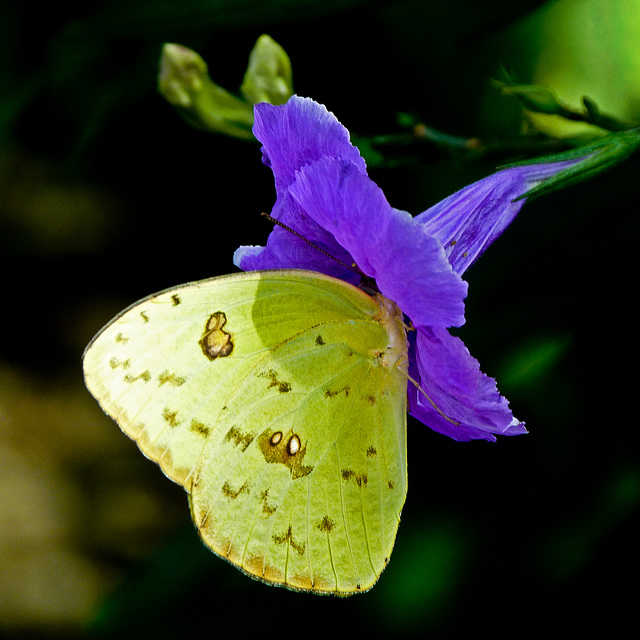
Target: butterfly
(277, 399)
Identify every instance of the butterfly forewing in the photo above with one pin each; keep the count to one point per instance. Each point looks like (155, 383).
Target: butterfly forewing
(148, 370)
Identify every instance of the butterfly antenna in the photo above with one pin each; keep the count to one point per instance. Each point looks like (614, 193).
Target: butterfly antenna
(416, 384)
(352, 267)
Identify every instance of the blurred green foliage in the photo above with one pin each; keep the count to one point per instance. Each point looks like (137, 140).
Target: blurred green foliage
(106, 195)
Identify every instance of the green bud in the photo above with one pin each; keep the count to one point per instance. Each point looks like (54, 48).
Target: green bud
(591, 159)
(534, 97)
(185, 83)
(268, 77)
(540, 99)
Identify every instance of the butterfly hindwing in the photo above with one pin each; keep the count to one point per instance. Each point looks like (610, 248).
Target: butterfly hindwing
(262, 393)
(304, 483)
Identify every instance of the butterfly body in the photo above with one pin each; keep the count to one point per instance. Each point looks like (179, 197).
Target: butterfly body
(277, 399)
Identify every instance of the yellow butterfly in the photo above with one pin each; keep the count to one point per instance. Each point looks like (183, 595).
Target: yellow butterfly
(277, 399)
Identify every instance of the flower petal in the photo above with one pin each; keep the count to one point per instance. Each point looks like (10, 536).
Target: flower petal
(408, 265)
(468, 221)
(297, 133)
(294, 135)
(460, 401)
(284, 250)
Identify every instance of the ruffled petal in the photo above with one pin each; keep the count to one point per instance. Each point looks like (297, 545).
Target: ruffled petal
(297, 133)
(408, 265)
(458, 400)
(468, 221)
(294, 135)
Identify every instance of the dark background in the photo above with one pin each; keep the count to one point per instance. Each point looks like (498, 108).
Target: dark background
(107, 195)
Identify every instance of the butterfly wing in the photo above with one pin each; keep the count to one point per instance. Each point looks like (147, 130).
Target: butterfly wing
(264, 395)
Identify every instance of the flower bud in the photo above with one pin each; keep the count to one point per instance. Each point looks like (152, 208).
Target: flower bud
(534, 97)
(185, 83)
(268, 77)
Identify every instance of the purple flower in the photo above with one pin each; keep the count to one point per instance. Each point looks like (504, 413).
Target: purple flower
(325, 195)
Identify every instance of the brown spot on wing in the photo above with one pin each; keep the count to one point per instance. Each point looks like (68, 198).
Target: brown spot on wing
(114, 363)
(277, 449)
(232, 494)
(326, 524)
(360, 478)
(145, 376)
(166, 377)
(287, 537)
(274, 381)
(267, 508)
(330, 393)
(199, 427)
(216, 343)
(240, 439)
(170, 417)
